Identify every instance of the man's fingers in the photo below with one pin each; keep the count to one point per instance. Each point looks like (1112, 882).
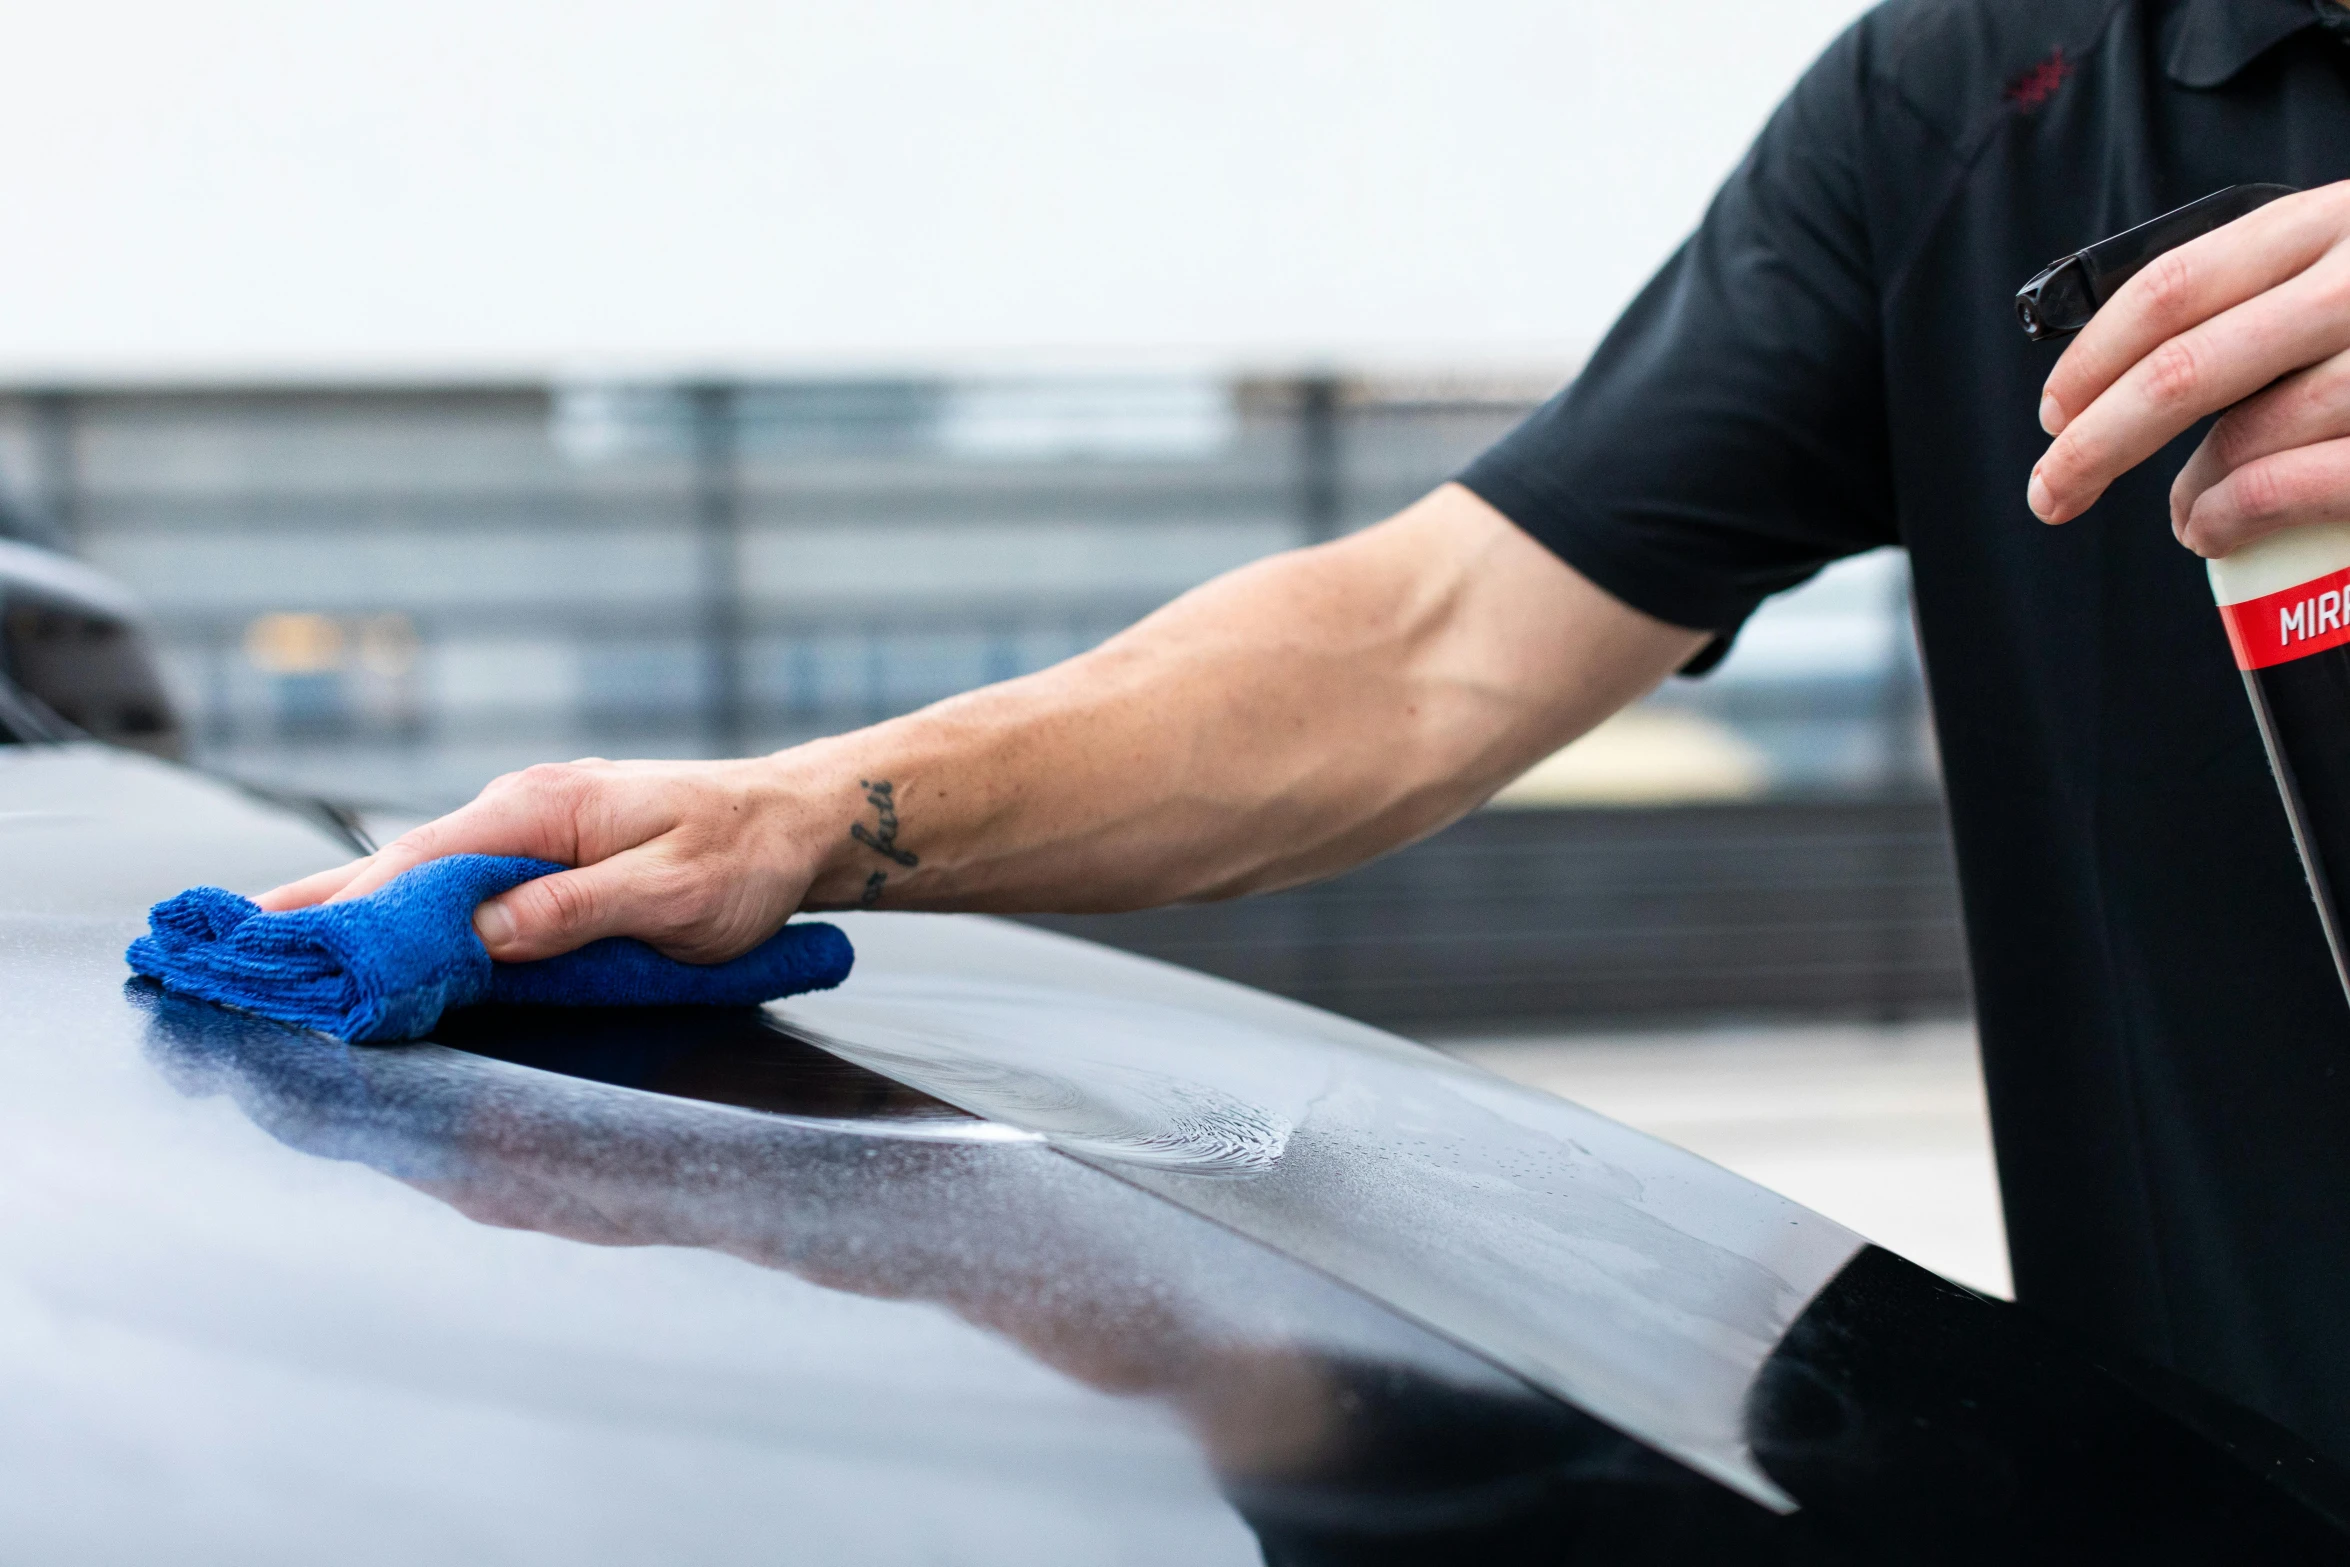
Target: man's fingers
(449, 835)
(2304, 485)
(534, 813)
(2198, 372)
(2301, 410)
(311, 889)
(2183, 288)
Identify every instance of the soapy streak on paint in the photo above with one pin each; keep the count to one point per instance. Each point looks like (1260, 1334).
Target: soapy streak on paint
(1619, 1274)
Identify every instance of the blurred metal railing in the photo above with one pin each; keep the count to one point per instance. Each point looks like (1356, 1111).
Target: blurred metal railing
(1774, 909)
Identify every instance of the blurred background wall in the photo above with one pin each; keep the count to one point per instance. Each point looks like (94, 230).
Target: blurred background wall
(470, 385)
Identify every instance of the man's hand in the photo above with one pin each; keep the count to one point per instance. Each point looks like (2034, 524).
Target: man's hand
(2253, 318)
(702, 859)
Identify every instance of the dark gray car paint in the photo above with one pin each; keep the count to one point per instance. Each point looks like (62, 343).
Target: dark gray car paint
(671, 1286)
(825, 1338)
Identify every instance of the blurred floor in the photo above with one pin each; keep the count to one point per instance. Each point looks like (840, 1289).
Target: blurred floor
(1880, 1128)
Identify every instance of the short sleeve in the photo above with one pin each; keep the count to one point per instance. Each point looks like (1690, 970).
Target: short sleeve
(1728, 438)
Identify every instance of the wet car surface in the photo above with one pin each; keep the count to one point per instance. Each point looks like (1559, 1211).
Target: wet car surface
(1013, 1249)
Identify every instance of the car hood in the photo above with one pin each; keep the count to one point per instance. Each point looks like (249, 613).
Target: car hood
(1012, 1248)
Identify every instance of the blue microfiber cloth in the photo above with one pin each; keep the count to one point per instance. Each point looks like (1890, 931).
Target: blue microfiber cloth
(387, 965)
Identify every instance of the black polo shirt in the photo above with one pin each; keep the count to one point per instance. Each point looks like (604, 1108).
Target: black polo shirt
(1830, 364)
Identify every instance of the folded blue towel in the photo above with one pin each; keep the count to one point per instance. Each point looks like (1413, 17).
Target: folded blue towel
(387, 965)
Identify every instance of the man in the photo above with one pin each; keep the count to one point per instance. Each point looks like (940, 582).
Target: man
(1829, 365)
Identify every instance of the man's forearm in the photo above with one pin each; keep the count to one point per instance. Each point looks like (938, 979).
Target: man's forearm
(1289, 720)
(1286, 721)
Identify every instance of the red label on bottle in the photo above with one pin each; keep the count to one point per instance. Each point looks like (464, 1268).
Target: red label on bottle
(2306, 618)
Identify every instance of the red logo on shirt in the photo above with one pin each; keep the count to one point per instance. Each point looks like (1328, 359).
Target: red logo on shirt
(2037, 85)
(2305, 619)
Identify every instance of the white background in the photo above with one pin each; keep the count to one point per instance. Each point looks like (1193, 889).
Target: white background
(523, 187)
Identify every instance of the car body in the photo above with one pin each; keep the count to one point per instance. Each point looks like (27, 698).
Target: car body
(1013, 1249)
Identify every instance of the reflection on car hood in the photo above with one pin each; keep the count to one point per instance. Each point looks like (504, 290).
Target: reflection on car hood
(1631, 1278)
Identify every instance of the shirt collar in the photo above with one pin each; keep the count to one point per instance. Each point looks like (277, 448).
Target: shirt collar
(2218, 38)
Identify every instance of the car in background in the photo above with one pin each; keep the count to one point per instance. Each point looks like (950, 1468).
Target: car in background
(76, 659)
(1013, 1249)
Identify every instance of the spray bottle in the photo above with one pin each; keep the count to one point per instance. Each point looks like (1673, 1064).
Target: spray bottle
(2284, 600)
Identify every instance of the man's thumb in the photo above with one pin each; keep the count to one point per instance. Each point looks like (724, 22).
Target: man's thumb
(555, 913)
(494, 923)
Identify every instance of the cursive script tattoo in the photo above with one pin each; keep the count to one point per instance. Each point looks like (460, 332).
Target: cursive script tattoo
(883, 840)
(872, 893)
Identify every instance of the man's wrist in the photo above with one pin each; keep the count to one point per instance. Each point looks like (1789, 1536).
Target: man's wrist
(852, 804)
